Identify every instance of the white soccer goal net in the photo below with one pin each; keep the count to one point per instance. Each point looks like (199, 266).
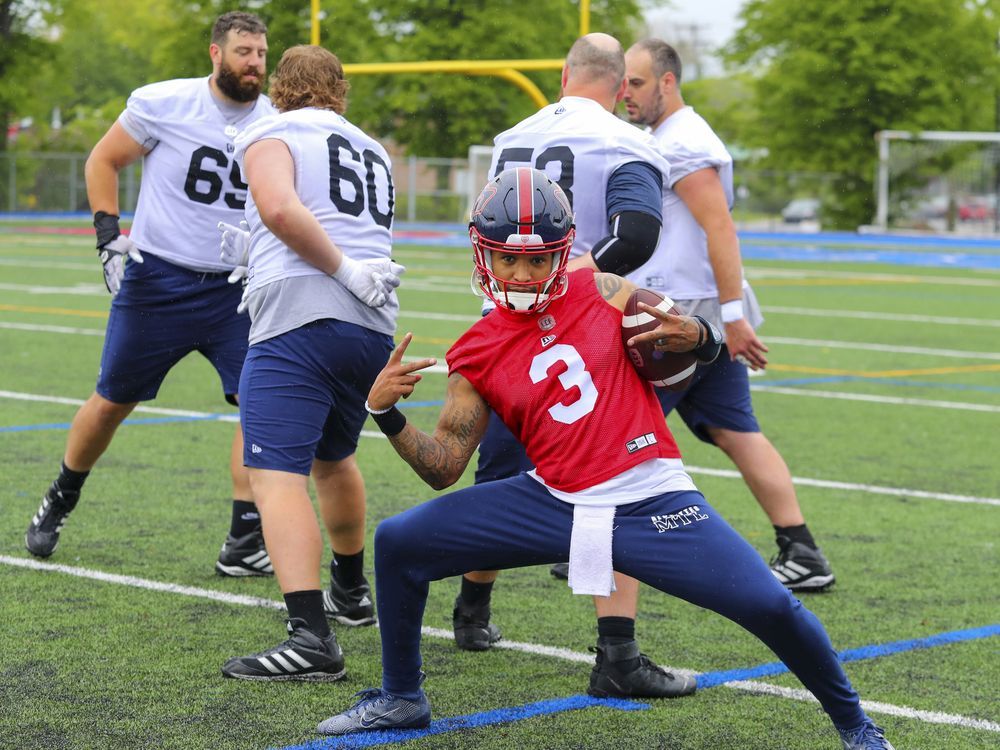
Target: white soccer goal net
(942, 181)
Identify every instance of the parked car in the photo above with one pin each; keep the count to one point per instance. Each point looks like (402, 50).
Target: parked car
(801, 209)
(977, 208)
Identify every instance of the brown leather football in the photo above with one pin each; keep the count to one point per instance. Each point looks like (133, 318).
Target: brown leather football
(670, 370)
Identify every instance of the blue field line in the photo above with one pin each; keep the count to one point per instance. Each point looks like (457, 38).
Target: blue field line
(140, 420)
(868, 240)
(712, 679)
(812, 253)
(576, 702)
(472, 721)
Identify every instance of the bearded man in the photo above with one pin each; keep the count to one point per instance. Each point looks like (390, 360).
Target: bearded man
(168, 286)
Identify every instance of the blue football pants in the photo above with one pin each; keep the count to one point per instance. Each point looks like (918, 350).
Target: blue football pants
(674, 542)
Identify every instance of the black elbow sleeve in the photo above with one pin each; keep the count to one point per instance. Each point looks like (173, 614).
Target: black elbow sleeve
(633, 239)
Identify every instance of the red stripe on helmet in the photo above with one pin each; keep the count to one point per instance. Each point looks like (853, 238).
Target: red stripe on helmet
(525, 200)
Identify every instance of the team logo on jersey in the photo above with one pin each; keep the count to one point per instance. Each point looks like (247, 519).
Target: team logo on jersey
(655, 282)
(643, 441)
(546, 322)
(546, 340)
(683, 517)
(230, 148)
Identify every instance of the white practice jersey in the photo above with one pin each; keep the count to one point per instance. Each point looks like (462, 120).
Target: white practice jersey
(578, 144)
(190, 181)
(680, 268)
(342, 175)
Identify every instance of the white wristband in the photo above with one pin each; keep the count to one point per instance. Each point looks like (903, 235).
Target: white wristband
(377, 411)
(732, 311)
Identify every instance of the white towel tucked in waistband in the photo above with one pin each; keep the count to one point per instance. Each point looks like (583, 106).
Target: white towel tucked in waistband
(590, 570)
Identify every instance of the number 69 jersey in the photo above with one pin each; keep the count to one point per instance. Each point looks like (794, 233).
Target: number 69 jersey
(342, 176)
(190, 181)
(561, 381)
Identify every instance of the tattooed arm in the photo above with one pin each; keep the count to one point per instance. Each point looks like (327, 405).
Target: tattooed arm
(438, 459)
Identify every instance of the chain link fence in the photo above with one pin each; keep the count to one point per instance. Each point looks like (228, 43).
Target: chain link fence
(431, 190)
(426, 190)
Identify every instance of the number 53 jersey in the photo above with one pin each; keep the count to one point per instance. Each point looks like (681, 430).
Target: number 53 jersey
(190, 181)
(561, 381)
(343, 177)
(579, 145)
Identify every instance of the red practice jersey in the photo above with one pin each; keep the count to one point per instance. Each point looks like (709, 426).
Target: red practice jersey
(563, 384)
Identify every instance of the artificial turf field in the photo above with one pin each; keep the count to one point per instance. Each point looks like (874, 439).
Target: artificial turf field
(882, 394)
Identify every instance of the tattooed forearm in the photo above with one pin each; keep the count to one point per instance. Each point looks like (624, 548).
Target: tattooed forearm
(441, 459)
(426, 456)
(462, 435)
(608, 284)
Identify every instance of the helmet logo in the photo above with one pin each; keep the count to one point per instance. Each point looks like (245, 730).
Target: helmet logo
(546, 322)
(484, 198)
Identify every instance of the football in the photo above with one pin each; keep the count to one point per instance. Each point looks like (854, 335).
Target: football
(670, 370)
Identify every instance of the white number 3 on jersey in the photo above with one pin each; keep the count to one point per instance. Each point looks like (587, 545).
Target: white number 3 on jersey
(575, 374)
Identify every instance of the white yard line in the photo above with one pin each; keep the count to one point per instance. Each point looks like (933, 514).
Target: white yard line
(901, 317)
(726, 473)
(750, 686)
(889, 348)
(818, 343)
(88, 290)
(805, 273)
(872, 399)
(38, 328)
(14, 395)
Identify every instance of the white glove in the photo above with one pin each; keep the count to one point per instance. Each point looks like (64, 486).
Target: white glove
(371, 281)
(112, 255)
(235, 249)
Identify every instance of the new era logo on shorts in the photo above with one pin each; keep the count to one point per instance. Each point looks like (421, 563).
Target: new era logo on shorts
(254, 448)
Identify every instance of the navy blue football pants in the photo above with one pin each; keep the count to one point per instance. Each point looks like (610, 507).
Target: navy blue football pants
(674, 542)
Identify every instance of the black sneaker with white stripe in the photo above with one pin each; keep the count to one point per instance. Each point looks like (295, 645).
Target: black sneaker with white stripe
(352, 606)
(800, 567)
(304, 656)
(244, 556)
(43, 531)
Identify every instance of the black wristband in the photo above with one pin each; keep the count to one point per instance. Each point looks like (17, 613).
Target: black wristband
(709, 347)
(107, 228)
(390, 422)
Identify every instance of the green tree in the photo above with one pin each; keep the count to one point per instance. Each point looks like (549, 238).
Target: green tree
(96, 60)
(23, 49)
(830, 75)
(443, 114)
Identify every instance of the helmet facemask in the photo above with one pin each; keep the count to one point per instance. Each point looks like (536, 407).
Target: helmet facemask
(521, 212)
(528, 296)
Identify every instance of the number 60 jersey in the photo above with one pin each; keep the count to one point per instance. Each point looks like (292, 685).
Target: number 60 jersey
(342, 176)
(561, 381)
(190, 181)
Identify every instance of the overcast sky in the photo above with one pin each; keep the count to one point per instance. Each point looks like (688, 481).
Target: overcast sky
(711, 21)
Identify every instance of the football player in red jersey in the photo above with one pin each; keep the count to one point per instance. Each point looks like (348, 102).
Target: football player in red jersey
(607, 493)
